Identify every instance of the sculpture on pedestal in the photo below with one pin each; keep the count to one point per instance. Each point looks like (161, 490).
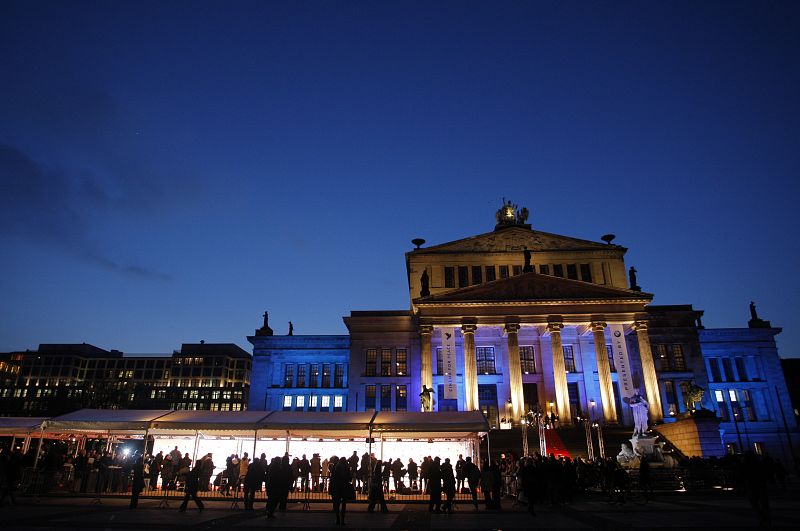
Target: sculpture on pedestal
(639, 407)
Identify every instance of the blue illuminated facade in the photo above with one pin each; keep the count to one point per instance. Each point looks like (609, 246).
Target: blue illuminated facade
(534, 317)
(299, 373)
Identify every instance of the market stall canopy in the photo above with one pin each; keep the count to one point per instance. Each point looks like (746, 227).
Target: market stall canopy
(20, 425)
(212, 422)
(336, 424)
(106, 420)
(414, 423)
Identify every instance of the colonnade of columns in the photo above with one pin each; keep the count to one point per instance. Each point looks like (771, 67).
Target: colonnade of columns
(471, 400)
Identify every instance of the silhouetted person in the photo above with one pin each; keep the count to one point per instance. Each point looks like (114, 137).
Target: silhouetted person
(376, 495)
(190, 489)
(340, 489)
(138, 482)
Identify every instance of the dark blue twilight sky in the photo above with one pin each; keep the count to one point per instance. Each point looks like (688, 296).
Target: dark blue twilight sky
(169, 170)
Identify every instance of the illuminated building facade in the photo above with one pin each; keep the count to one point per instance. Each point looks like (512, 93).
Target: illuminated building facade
(518, 320)
(299, 373)
(59, 378)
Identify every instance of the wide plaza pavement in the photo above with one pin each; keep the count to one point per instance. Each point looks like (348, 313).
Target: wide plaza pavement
(666, 511)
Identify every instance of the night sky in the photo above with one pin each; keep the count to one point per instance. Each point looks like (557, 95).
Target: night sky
(169, 170)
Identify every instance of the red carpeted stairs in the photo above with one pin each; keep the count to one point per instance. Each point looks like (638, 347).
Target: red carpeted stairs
(555, 445)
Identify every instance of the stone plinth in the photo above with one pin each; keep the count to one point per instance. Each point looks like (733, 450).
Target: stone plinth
(694, 436)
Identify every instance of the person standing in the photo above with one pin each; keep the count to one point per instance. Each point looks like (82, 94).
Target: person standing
(138, 482)
(191, 488)
(340, 489)
(252, 483)
(448, 485)
(434, 475)
(460, 473)
(305, 469)
(412, 474)
(316, 468)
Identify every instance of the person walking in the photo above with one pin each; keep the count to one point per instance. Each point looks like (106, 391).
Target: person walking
(340, 489)
(473, 476)
(138, 482)
(190, 489)
(274, 486)
(11, 473)
(376, 495)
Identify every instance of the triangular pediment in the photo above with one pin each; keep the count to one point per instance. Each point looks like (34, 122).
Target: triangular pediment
(517, 239)
(534, 287)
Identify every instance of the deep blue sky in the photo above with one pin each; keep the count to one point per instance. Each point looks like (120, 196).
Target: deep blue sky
(169, 170)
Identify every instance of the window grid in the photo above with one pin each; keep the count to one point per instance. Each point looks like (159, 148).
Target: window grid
(386, 362)
(527, 359)
(372, 359)
(288, 375)
(402, 361)
(569, 358)
(401, 398)
(485, 360)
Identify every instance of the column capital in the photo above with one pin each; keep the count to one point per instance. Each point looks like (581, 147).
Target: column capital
(512, 328)
(640, 325)
(425, 329)
(554, 327)
(599, 326)
(468, 328)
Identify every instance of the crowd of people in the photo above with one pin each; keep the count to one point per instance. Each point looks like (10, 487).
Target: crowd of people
(528, 481)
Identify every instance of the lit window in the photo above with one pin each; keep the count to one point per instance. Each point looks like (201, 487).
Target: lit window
(338, 401)
(287, 401)
(313, 401)
(326, 402)
(301, 401)
(527, 359)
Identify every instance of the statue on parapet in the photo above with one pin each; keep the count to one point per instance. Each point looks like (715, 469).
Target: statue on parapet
(424, 281)
(632, 278)
(426, 398)
(527, 268)
(291, 329)
(694, 394)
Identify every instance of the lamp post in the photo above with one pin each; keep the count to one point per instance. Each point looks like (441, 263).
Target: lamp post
(736, 412)
(538, 419)
(587, 429)
(598, 426)
(526, 422)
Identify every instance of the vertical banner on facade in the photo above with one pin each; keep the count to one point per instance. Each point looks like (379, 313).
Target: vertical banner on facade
(449, 363)
(621, 360)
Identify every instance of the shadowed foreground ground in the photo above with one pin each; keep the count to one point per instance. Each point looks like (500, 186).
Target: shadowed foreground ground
(667, 511)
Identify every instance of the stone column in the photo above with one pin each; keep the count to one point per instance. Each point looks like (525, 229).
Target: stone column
(559, 374)
(426, 366)
(649, 372)
(604, 372)
(470, 368)
(515, 373)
